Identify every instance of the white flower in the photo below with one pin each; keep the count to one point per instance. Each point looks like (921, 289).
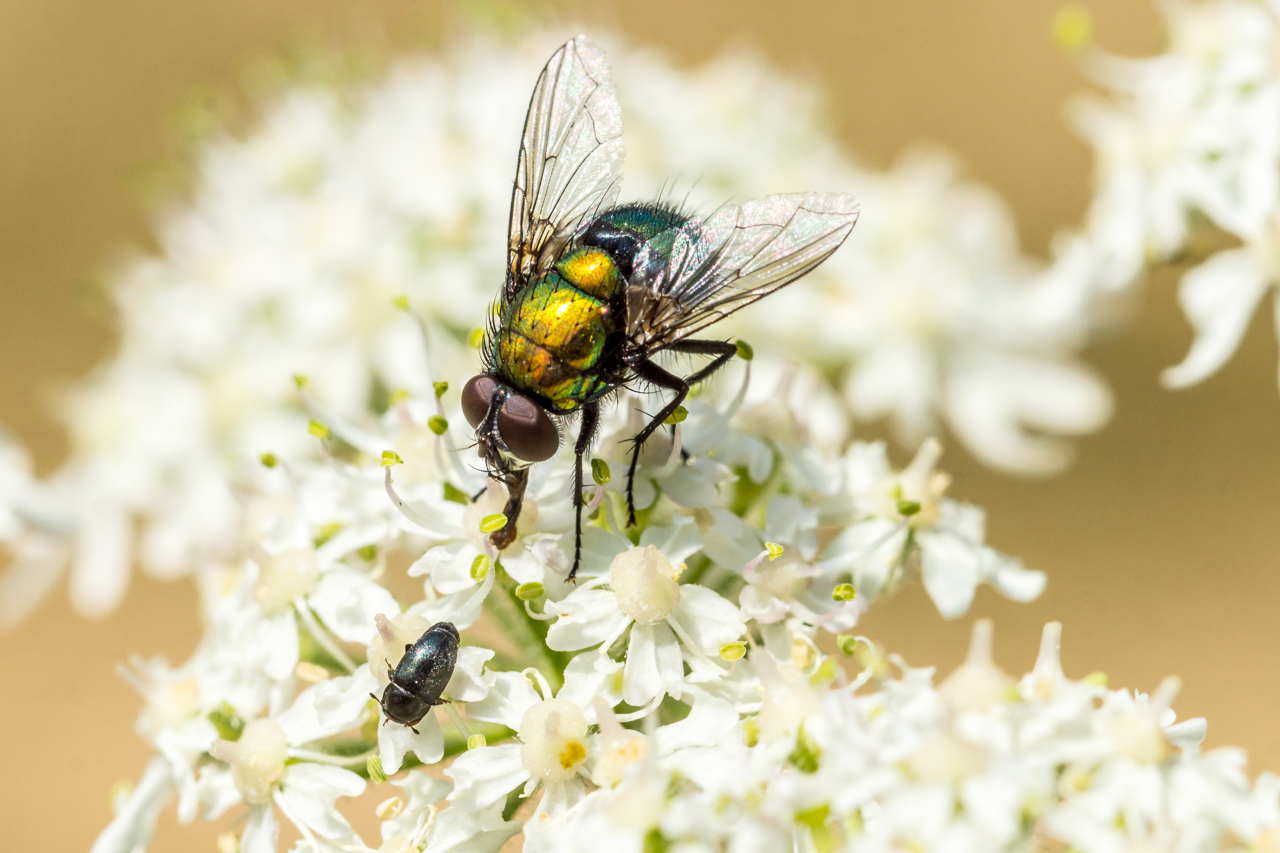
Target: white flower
(552, 731)
(416, 825)
(667, 624)
(900, 512)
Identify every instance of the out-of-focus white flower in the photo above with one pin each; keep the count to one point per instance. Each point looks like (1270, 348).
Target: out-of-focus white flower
(940, 317)
(904, 514)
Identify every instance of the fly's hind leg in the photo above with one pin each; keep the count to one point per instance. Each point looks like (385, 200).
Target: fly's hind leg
(586, 433)
(655, 375)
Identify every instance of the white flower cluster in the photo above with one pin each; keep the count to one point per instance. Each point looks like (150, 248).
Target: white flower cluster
(679, 695)
(301, 238)
(1187, 143)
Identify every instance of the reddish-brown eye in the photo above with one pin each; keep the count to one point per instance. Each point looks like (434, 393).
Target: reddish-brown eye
(476, 395)
(527, 429)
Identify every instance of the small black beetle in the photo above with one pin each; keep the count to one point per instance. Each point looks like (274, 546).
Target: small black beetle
(421, 676)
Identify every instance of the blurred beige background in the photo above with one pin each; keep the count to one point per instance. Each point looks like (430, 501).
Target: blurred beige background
(1161, 542)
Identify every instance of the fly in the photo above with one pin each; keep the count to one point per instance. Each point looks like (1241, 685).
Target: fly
(594, 290)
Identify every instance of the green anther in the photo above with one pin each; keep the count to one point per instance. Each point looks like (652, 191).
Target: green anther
(677, 416)
(300, 380)
(389, 458)
(327, 532)
(807, 755)
(319, 430)
(453, 493)
(906, 509)
(733, 651)
(655, 842)
(440, 388)
(397, 396)
(600, 471)
(476, 338)
(530, 591)
(1097, 679)
(745, 352)
(844, 592)
(401, 302)
(368, 553)
(376, 774)
(751, 731)
(226, 722)
(476, 741)
(774, 549)
(1073, 28)
(480, 567)
(493, 523)
(438, 425)
(268, 460)
(847, 644)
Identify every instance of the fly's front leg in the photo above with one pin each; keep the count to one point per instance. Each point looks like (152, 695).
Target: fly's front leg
(654, 375)
(515, 499)
(586, 433)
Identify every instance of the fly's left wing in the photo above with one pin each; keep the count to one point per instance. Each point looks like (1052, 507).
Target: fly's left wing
(731, 259)
(570, 158)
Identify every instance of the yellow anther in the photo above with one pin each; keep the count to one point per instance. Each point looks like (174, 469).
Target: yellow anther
(530, 591)
(401, 302)
(844, 592)
(480, 567)
(438, 425)
(733, 651)
(440, 388)
(476, 741)
(389, 458)
(319, 430)
(493, 523)
(268, 460)
(774, 549)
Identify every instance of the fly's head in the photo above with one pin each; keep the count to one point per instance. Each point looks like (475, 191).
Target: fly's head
(512, 430)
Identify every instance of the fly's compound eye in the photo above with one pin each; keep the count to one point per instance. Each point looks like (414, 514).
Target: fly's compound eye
(476, 395)
(527, 429)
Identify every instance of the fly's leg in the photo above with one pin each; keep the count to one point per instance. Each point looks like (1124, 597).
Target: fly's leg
(586, 433)
(515, 498)
(655, 375)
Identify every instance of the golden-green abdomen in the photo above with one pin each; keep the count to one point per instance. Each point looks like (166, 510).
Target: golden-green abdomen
(554, 332)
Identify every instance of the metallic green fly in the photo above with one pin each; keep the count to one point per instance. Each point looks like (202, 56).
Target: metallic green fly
(594, 291)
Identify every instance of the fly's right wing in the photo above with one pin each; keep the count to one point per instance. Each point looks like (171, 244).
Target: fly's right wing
(729, 260)
(570, 159)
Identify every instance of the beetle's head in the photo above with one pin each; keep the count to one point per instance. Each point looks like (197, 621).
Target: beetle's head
(512, 429)
(401, 706)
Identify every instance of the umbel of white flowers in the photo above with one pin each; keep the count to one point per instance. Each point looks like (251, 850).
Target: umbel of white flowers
(302, 238)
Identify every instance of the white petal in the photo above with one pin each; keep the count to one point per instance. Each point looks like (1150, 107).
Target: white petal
(559, 797)
(1187, 733)
(709, 720)
(100, 567)
(35, 564)
(588, 617)
(654, 664)
(261, 832)
(448, 566)
(340, 702)
(588, 676)
(677, 542)
(460, 831)
(396, 741)
(1014, 581)
(467, 608)
(951, 570)
(709, 619)
(484, 776)
(1219, 297)
(510, 695)
(347, 601)
(131, 829)
(468, 684)
(308, 794)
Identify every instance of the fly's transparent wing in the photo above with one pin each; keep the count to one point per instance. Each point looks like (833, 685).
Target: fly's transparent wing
(736, 256)
(570, 158)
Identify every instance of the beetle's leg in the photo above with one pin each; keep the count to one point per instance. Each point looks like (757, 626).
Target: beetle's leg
(483, 489)
(586, 433)
(415, 731)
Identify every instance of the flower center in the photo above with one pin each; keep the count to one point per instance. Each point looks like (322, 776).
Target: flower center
(644, 583)
(553, 740)
(257, 759)
(285, 578)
